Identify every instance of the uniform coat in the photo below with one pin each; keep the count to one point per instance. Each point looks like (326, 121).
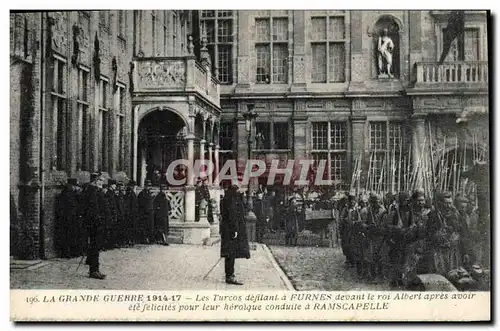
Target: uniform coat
(233, 220)
(145, 201)
(131, 214)
(162, 208)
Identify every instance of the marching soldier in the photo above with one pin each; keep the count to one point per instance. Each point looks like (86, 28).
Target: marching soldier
(93, 222)
(130, 211)
(260, 208)
(145, 201)
(162, 208)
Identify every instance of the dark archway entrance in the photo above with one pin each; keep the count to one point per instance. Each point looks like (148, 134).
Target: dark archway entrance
(161, 141)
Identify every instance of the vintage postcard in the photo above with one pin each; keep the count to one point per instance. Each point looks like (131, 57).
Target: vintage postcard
(250, 165)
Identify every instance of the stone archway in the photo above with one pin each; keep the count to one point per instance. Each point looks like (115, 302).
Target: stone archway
(161, 140)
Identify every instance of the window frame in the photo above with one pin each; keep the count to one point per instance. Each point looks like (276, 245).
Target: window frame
(216, 44)
(103, 123)
(271, 134)
(271, 43)
(59, 108)
(328, 42)
(119, 132)
(83, 109)
(330, 152)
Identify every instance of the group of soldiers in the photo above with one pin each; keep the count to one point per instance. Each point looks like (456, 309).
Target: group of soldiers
(397, 237)
(99, 216)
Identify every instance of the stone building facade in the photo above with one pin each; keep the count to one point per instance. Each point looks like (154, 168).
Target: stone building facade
(314, 79)
(83, 84)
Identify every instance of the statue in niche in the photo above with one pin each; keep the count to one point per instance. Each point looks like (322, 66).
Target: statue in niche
(385, 50)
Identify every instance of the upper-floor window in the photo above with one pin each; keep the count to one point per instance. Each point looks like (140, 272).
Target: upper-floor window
(328, 49)
(82, 103)
(217, 25)
(59, 114)
(471, 46)
(271, 48)
(271, 135)
(226, 133)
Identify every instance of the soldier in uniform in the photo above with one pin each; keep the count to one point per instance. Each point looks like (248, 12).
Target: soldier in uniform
(162, 208)
(260, 207)
(292, 223)
(130, 210)
(110, 211)
(348, 216)
(372, 217)
(93, 222)
(145, 201)
(234, 239)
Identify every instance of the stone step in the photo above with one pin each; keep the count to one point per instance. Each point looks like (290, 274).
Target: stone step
(174, 239)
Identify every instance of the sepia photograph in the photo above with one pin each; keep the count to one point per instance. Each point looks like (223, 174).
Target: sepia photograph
(344, 152)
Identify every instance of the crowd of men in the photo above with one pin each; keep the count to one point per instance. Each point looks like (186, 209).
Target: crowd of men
(400, 236)
(98, 216)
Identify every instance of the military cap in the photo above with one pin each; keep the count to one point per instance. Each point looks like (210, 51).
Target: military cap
(445, 195)
(111, 182)
(72, 181)
(403, 196)
(131, 183)
(147, 183)
(105, 185)
(119, 183)
(461, 198)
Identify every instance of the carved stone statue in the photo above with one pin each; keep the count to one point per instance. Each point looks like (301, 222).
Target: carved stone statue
(385, 49)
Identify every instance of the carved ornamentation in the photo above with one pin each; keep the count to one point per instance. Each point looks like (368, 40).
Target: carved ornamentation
(114, 66)
(77, 36)
(168, 73)
(97, 57)
(131, 77)
(299, 69)
(58, 29)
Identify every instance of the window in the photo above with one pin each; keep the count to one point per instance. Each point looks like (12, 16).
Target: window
(59, 113)
(103, 123)
(122, 24)
(153, 33)
(386, 168)
(165, 32)
(271, 135)
(226, 136)
(104, 19)
(330, 145)
(471, 47)
(271, 49)
(83, 119)
(120, 107)
(328, 49)
(218, 29)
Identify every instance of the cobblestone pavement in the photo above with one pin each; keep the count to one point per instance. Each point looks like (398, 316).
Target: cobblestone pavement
(321, 269)
(153, 267)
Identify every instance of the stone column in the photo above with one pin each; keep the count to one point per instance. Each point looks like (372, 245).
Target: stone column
(202, 151)
(189, 195)
(419, 142)
(210, 157)
(214, 227)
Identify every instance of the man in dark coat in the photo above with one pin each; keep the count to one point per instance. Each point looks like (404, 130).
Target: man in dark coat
(120, 228)
(66, 214)
(145, 201)
(162, 208)
(260, 207)
(292, 223)
(348, 216)
(93, 222)
(131, 213)
(234, 239)
(201, 192)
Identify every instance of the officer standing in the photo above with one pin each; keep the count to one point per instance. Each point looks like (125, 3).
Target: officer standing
(93, 222)
(162, 208)
(130, 211)
(234, 240)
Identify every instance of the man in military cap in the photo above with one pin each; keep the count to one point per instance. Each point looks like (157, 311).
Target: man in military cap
(130, 211)
(349, 215)
(120, 229)
(292, 222)
(372, 217)
(260, 208)
(162, 209)
(93, 222)
(145, 201)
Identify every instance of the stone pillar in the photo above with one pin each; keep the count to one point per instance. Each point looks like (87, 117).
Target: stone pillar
(189, 195)
(210, 157)
(202, 151)
(357, 71)
(419, 142)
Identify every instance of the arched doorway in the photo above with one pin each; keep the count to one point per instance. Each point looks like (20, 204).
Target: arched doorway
(160, 141)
